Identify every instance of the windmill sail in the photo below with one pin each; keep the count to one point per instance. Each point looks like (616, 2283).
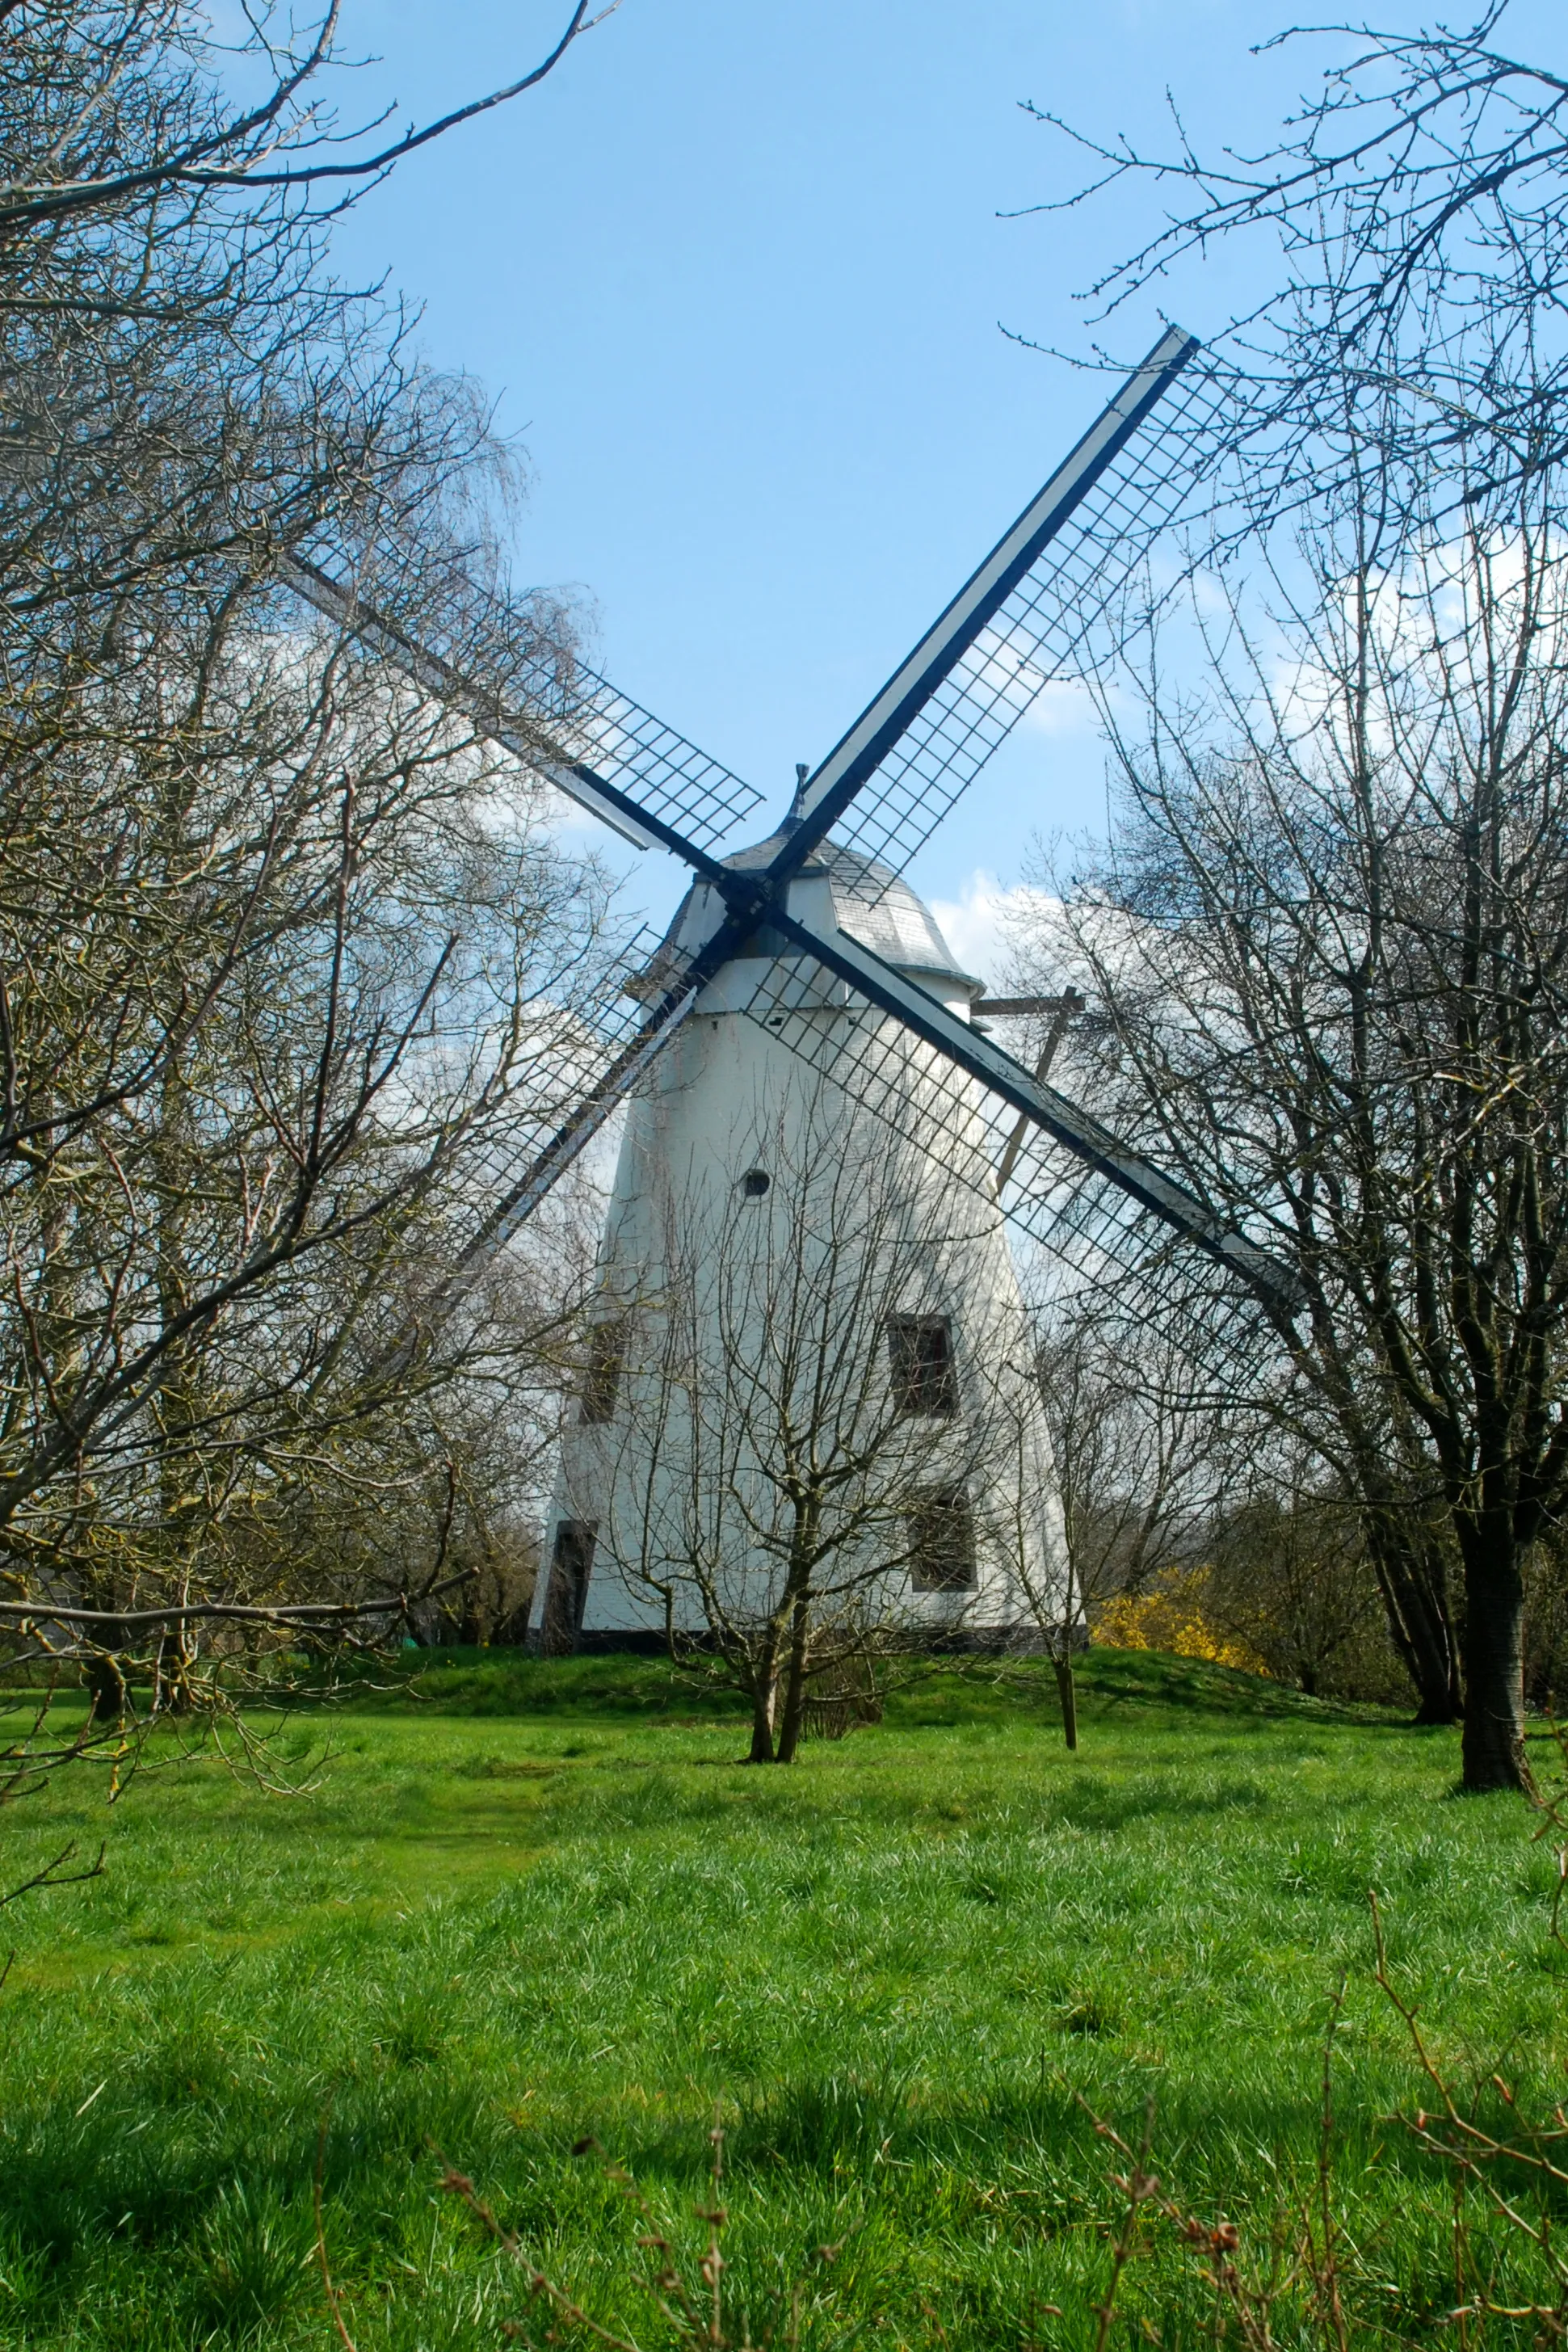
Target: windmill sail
(975, 1055)
(616, 1052)
(594, 742)
(1028, 615)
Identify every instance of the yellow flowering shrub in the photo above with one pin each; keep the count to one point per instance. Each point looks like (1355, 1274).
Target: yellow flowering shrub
(1169, 1614)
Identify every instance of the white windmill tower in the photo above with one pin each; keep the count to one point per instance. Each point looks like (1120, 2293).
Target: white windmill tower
(803, 984)
(792, 1282)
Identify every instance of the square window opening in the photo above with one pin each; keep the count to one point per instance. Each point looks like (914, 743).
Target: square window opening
(920, 1348)
(942, 1542)
(602, 1372)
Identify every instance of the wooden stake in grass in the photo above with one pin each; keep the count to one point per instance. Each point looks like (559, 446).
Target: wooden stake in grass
(716, 2217)
(1325, 2262)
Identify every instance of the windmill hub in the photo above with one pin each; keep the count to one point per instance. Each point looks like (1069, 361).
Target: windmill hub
(837, 892)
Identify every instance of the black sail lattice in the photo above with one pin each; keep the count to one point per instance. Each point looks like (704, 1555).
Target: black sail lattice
(627, 746)
(1062, 622)
(519, 678)
(1079, 1228)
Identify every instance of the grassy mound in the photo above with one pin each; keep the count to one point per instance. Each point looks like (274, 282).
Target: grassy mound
(526, 1903)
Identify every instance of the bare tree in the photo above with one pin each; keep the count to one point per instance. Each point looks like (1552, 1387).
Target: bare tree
(82, 68)
(824, 1384)
(1401, 386)
(293, 968)
(186, 391)
(1332, 929)
(1136, 1445)
(1409, 225)
(227, 1326)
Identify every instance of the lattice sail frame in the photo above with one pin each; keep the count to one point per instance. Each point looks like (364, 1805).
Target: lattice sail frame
(627, 746)
(1083, 1230)
(1058, 624)
(486, 655)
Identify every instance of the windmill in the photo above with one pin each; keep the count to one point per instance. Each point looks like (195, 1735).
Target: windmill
(809, 940)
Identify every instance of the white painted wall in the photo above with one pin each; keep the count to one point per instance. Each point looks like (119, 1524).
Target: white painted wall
(753, 1080)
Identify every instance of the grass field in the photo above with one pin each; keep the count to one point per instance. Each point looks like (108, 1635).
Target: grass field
(546, 1903)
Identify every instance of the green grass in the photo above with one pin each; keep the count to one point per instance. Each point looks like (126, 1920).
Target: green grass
(547, 1902)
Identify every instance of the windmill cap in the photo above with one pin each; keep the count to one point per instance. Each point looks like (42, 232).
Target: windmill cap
(872, 905)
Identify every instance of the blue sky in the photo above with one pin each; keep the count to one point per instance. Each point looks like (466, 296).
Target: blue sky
(735, 278)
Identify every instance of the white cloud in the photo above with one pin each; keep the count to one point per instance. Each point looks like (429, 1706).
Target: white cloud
(1063, 707)
(975, 924)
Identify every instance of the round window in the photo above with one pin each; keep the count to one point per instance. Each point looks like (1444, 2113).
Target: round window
(755, 1182)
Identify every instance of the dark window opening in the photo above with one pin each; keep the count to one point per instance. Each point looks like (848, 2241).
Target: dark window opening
(921, 1348)
(602, 1373)
(942, 1542)
(755, 1182)
(571, 1565)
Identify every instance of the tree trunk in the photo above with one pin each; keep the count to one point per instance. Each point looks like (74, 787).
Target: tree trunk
(1412, 1577)
(763, 1697)
(1493, 1742)
(795, 1684)
(106, 1689)
(1067, 1689)
(172, 1692)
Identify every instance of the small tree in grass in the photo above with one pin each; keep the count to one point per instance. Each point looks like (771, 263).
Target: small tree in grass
(1135, 1453)
(822, 1388)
